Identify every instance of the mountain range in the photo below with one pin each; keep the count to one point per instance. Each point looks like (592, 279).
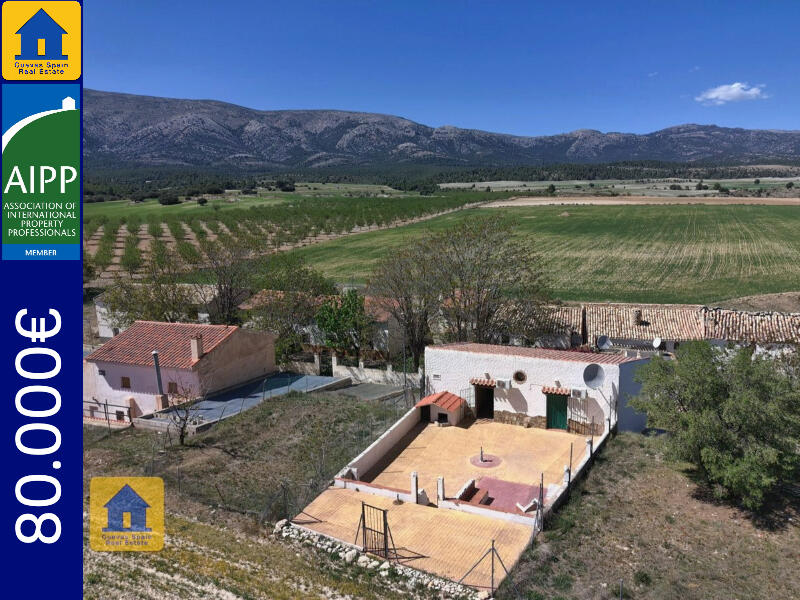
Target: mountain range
(125, 129)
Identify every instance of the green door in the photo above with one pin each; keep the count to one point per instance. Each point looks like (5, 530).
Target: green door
(556, 411)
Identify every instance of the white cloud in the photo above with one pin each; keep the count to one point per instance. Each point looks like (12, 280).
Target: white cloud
(732, 92)
(694, 69)
(652, 74)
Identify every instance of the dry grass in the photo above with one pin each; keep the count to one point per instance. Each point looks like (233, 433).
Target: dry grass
(227, 559)
(644, 521)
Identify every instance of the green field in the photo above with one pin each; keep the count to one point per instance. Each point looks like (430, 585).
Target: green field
(673, 253)
(149, 208)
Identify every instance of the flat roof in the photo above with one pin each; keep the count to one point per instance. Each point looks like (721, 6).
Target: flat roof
(543, 353)
(525, 455)
(443, 542)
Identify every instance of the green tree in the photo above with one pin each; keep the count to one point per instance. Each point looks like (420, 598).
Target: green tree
(490, 285)
(735, 415)
(345, 324)
(158, 297)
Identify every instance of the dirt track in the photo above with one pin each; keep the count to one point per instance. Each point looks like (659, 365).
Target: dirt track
(638, 200)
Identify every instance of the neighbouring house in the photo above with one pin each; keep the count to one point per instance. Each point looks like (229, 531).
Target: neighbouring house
(767, 330)
(443, 408)
(637, 326)
(538, 387)
(195, 360)
(561, 327)
(387, 336)
(202, 309)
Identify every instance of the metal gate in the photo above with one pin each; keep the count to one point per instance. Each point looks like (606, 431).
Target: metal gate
(376, 537)
(375, 526)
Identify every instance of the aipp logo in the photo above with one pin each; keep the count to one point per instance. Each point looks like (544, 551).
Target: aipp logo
(126, 514)
(41, 40)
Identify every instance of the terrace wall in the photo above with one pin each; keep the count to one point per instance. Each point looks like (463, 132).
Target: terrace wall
(380, 447)
(387, 376)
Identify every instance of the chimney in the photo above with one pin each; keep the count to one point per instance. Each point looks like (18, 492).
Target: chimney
(197, 346)
(637, 317)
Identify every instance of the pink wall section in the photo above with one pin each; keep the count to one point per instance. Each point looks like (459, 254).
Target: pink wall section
(244, 356)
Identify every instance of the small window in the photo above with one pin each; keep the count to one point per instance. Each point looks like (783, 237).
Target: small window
(442, 417)
(120, 415)
(126, 383)
(520, 377)
(436, 377)
(101, 371)
(172, 387)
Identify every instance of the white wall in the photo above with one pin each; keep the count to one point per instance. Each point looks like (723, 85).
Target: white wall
(388, 440)
(455, 369)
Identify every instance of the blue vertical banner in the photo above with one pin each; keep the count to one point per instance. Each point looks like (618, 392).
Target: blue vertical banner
(41, 317)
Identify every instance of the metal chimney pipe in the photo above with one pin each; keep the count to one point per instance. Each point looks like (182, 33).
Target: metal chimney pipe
(158, 373)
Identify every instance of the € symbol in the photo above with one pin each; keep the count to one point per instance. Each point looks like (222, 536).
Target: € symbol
(41, 333)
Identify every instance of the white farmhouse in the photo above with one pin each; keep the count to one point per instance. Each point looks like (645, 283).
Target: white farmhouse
(538, 387)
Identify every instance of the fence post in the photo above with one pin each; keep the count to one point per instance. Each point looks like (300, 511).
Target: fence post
(108, 421)
(569, 482)
(386, 534)
(492, 584)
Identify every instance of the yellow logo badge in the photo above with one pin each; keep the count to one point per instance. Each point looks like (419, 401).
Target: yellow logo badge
(41, 41)
(126, 514)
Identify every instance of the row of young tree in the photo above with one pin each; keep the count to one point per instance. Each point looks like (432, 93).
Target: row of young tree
(282, 224)
(472, 282)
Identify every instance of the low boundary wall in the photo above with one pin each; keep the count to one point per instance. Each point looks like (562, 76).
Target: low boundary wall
(374, 489)
(380, 447)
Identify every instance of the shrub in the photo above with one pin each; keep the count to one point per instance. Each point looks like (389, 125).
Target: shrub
(169, 199)
(733, 414)
(642, 578)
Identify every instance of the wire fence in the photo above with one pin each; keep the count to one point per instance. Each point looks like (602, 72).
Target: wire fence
(245, 483)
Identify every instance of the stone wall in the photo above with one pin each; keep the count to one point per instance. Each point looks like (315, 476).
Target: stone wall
(404, 579)
(520, 419)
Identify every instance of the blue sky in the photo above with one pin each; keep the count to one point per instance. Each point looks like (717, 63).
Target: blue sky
(530, 68)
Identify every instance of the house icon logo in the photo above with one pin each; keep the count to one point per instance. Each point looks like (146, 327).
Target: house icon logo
(127, 511)
(126, 514)
(41, 38)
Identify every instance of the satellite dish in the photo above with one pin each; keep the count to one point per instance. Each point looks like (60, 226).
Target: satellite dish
(603, 342)
(657, 343)
(593, 376)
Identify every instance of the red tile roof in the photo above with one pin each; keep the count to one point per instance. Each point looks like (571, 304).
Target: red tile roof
(644, 322)
(764, 327)
(444, 400)
(135, 345)
(544, 353)
(561, 320)
(483, 381)
(548, 389)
